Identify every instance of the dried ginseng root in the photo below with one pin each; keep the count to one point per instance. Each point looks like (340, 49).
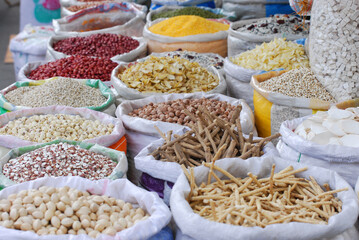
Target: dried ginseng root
(210, 138)
(249, 202)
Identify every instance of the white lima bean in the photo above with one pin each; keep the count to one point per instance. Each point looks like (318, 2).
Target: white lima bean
(65, 214)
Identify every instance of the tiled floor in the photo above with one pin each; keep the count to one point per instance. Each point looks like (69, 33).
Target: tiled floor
(9, 24)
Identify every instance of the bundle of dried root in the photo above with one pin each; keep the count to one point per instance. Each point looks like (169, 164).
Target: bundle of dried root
(211, 138)
(280, 198)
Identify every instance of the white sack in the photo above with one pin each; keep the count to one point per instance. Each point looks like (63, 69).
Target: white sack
(133, 14)
(238, 79)
(10, 141)
(131, 94)
(344, 160)
(193, 225)
(120, 189)
(139, 52)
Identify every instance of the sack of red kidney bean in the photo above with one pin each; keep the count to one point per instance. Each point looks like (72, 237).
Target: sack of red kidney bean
(78, 67)
(61, 158)
(103, 45)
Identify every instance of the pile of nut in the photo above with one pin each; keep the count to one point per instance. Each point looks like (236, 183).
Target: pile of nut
(66, 92)
(56, 160)
(65, 210)
(75, 8)
(46, 128)
(299, 82)
(80, 67)
(174, 111)
(168, 75)
(104, 45)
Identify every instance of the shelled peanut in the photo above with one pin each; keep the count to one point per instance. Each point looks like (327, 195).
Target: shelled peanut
(174, 111)
(66, 210)
(45, 128)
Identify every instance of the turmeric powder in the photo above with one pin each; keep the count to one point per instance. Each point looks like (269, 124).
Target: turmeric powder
(186, 25)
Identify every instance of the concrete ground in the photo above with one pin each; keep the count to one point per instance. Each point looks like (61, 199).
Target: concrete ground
(9, 24)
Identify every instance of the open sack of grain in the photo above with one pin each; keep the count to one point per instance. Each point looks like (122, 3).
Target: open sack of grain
(224, 201)
(285, 95)
(191, 33)
(92, 94)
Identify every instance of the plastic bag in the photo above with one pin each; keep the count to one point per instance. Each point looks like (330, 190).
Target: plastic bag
(227, 15)
(168, 172)
(271, 108)
(120, 189)
(194, 226)
(201, 43)
(342, 159)
(26, 70)
(30, 45)
(10, 141)
(121, 18)
(118, 172)
(139, 52)
(146, 127)
(245, 9)
(106, 92)
(237, 79)
(204, 3)
(131, 94)
(239, 42)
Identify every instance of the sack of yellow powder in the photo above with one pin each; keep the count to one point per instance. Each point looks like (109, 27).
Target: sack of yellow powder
(159, 75)
(186, 32)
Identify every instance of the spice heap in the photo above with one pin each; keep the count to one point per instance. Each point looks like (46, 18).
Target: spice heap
(80, 67)
(299, 82)
(65, 92)
(56, 160)
(182, 26)
(336, 126)
(65, 210)
(175, 111)
(210, 139)
(278, 53)
(186, 11)
(168, 75)
(250, 202)
(46, 128)
(203, 59)
(277, 24)
(104, 45)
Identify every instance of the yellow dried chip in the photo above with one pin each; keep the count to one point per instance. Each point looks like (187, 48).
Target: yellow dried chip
(278, 53)
(169, 75)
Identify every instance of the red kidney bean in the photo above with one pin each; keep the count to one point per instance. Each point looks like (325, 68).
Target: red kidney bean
(82, 67)
(97, 45)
